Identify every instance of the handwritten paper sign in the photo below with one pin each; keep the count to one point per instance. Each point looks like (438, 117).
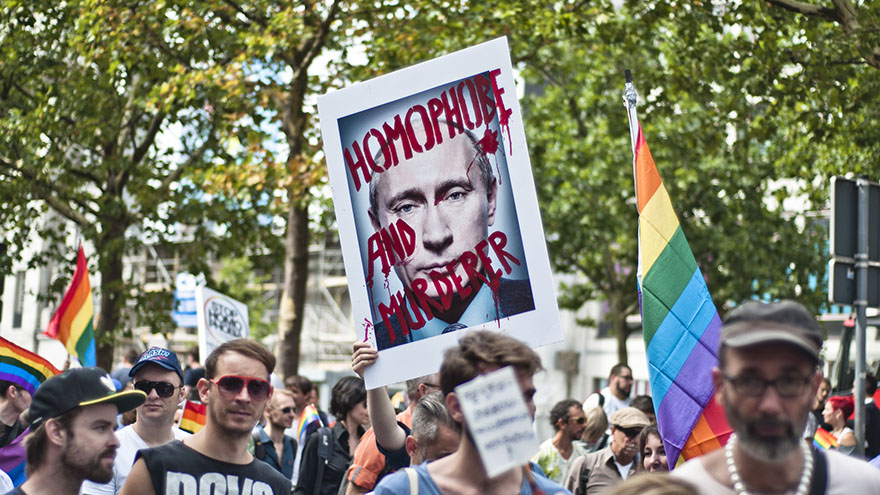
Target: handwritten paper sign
(499, 420)
(220, 319)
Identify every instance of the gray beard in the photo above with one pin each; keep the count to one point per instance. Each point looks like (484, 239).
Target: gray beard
(764, 449)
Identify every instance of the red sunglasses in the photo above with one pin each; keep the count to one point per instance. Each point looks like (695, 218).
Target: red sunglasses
(257, 388)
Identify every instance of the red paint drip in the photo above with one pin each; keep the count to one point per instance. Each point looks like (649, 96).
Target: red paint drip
(489, 141)
(367, 327)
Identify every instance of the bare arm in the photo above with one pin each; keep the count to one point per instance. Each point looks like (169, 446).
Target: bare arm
(388, 433)
(138, 481)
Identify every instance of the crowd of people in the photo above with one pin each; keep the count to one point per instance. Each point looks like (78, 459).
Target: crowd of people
(259, 440)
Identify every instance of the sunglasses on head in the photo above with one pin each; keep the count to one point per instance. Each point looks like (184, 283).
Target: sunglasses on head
(257, 388)
(164, 389)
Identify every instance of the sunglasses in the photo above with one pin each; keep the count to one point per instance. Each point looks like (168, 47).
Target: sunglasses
(629, 432)
(286, 410)
(164, 389)
(257, 388)
(581, 420)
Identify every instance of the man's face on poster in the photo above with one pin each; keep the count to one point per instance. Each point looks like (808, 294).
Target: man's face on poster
(447, 196)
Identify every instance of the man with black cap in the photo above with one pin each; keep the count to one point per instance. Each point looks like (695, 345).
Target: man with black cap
(73, 417)
(156, 372)
(766, 381)
(597, 471)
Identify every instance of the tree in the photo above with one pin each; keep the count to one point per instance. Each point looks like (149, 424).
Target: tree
(745, 106)
(91, 97)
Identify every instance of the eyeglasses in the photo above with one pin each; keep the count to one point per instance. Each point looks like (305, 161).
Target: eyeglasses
(285, 410)
(164, 389)
(753, 386)
(257, 388)
(581, 420)
(629, 432)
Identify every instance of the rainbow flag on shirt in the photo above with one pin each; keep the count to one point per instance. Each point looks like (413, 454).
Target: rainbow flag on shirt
(23, 367)
(824, 439)
(309, 416)
(680, 324)
(72, 322)
(193, 418)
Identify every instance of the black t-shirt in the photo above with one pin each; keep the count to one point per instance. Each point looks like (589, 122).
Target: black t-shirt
(178, 469)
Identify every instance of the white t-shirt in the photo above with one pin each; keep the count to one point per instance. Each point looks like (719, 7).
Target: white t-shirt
(5, 482)
(846, 476)
(611, 404)
(129, 443)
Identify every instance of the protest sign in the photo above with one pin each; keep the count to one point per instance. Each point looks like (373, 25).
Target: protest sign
(220, 319)
(184, 309)
(498, 419)
(436, 208)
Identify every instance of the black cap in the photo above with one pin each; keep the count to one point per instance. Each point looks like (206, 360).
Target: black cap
(785, 321)
(160, 356)
(79, 387)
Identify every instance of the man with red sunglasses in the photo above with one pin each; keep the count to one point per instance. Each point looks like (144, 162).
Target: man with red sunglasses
(215, 460)
(156, 372)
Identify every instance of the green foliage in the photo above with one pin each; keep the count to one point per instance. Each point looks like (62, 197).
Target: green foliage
(239, 279)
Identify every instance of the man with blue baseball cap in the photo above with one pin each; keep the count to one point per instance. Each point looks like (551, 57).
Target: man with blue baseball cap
(156, 372)
(73, 416)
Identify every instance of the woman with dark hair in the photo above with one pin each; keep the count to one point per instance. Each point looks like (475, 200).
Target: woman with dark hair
(652, 451)
(321, 470)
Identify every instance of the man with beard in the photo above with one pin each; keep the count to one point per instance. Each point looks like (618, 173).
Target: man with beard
(596, 472)
(766, 381)
(216, 460)
(617, 394)
(558, 452)
(73, 417)
(156, 372)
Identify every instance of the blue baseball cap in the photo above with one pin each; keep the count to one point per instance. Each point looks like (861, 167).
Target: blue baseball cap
(159, 356)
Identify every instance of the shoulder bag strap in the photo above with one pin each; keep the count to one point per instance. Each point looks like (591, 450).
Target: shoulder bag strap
(413, 478)
(819, 483)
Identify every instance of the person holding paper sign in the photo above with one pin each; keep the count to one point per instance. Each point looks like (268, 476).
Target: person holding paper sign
(432, 214)
(463, 472)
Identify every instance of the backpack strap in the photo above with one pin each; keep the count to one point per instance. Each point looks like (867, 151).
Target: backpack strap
(819, 483)
(413, 478)
(259, 446)
(325, 450)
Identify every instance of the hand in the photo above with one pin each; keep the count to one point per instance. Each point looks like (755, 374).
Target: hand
(362, 356)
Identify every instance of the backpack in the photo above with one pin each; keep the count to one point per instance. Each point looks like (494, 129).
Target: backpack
(330, 455)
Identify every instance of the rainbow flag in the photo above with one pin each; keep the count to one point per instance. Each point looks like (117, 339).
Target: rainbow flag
(680, 324)
(309, 416)
(12, 459)
(193, 418)
(824, 440)
(22, 367)
(72, 322)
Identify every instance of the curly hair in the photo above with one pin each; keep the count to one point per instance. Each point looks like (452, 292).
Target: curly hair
(562, 410)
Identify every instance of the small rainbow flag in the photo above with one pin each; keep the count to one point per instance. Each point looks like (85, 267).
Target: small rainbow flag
(12, 459)
(680, 324)
(824, 440)
(309, 416)
(23, 367)
(72, 322)
(193, 418)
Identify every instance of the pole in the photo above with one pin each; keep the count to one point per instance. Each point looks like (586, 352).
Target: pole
(861, 305)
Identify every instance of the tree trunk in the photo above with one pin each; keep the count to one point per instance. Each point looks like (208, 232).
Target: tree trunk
(621, 332)
(296, 275)
(110, 265)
